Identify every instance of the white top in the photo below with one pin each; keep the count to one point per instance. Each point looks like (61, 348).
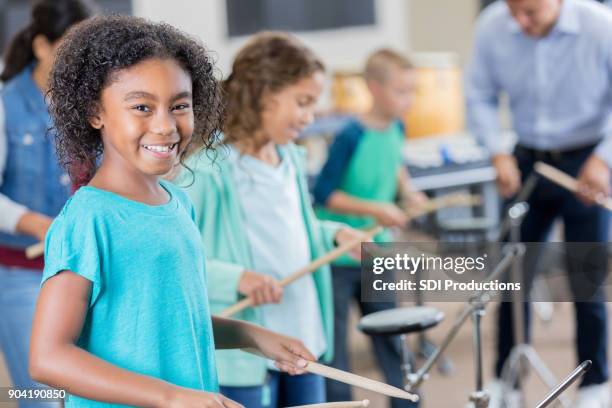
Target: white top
(279, 245)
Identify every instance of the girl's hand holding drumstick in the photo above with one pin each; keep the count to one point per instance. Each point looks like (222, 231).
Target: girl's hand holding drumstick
(351, 243)
(290, 355)
(189, 398)
(348, 235)
(262, 289)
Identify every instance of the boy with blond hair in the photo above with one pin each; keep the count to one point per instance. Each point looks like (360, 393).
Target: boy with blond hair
(359, 184)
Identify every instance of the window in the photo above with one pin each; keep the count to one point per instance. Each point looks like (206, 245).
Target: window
(15, 14)
(248, 16)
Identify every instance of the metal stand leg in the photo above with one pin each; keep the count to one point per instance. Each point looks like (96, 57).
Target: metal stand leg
(479, 398)
(426, 348)
(523, 356)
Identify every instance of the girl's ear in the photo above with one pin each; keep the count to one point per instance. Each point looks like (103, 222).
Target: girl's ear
(96, 122)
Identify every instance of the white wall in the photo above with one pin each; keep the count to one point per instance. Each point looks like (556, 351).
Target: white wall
(443, 25)
(340, 49)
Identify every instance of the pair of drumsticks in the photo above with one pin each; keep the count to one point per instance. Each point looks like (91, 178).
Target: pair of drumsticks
(333, 373)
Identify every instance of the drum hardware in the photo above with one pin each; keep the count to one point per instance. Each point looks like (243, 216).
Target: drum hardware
(417, 319)
(523, 355)
(565, 384)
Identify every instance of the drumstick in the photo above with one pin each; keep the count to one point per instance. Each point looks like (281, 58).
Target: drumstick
(359, 381)
(344, 404)
(430, 206)
(349, 378)
(311, 267)
(566, 181)
(448, 200)
(36, 250)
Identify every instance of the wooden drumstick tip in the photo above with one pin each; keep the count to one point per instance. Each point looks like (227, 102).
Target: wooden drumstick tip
(35, 251)
(359, 381)
(365, 403)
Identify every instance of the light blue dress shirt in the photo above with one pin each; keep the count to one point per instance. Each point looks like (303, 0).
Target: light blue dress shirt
(559, 86)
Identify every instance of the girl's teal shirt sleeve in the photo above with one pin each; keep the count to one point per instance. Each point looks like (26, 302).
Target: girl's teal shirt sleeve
(219, 218)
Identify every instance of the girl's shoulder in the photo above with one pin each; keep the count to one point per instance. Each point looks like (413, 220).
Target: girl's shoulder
(178, 194)
(85, 203)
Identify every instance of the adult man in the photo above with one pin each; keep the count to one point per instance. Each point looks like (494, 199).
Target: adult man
(553, 58)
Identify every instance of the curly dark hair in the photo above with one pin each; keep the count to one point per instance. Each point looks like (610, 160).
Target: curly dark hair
(268, 62)
(91, 53)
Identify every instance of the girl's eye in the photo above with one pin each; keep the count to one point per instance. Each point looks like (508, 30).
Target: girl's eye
(142, 108)
(181, 106)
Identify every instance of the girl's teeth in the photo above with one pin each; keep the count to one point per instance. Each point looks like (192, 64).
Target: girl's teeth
(159, 149)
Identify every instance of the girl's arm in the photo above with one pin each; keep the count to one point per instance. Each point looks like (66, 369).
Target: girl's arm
(290, 354)
(56, 360)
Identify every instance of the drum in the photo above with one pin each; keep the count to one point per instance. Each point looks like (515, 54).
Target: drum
(400, 320)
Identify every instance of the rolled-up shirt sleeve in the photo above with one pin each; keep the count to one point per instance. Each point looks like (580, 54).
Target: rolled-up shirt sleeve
(604, 148)
(10, 210)
(482, 93)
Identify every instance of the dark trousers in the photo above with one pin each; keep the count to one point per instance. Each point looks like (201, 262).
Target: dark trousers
(347, 287)
(581, 224)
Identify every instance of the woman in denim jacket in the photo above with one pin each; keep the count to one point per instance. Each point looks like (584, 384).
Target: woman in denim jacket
(33, 187)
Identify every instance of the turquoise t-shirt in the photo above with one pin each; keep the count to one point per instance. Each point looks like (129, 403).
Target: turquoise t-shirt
(148, 311)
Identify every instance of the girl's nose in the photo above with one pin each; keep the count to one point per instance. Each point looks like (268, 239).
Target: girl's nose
(163, 124)
(308, 117)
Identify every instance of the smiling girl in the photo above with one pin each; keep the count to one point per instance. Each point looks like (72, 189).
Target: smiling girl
(123, 316)
(253, 210)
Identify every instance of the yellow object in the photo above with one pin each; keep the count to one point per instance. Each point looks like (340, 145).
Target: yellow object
(350, 93)
(438, 106)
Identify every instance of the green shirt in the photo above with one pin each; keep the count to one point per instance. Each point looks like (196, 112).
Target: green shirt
(363, 163)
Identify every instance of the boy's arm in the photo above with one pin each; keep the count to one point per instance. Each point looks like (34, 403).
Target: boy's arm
(409, 196)
(341, 202)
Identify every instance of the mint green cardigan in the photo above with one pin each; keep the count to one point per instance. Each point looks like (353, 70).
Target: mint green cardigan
(219, 218)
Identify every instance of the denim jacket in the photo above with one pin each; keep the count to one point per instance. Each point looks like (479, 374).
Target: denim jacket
(30, 175)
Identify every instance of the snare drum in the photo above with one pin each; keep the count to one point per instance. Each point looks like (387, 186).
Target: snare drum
(401, 320)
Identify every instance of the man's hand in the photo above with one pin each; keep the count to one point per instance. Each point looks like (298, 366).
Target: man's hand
(593, 180)
(508, 174)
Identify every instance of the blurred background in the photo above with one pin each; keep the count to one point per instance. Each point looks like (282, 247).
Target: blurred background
(440, 154)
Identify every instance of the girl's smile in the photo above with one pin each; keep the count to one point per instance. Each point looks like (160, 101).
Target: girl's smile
(161, 151)
(146, 117)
